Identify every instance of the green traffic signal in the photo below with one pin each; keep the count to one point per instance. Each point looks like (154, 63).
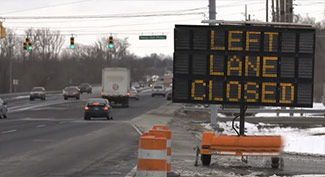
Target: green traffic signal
(111, 46)
(72, 46)
(30, 48)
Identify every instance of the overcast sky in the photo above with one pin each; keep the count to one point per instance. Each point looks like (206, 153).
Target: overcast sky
(87, 31)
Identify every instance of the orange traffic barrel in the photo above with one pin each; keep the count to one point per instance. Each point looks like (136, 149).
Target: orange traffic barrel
(152, 156)
(162, 129)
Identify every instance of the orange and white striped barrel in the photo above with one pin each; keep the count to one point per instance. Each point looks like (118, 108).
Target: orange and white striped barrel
(152, 156)
(162, 129)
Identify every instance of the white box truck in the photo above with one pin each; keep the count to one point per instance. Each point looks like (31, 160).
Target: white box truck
(116, 85)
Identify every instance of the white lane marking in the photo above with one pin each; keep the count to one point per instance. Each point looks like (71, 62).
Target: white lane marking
(24, 108)
(62, 122)
(132, 172)
(136, 128)
(39, 126)
(9, 131)
(41, 140)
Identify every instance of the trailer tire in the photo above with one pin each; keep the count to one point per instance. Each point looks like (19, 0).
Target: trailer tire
(275, 162)
(275, 165)
(206, 159)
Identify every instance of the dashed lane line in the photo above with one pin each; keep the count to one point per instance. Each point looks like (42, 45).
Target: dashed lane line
(39, 126)
(9, 131)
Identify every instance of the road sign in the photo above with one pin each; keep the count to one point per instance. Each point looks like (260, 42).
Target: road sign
(236, 64)
(15, 82)
(153, 37)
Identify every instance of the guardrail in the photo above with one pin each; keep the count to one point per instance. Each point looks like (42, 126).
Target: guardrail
(261, 110)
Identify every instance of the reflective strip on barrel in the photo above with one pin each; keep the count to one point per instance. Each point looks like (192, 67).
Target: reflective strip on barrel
(162, 129)
(152, 156)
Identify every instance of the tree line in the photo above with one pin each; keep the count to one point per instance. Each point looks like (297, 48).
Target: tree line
(54, 67)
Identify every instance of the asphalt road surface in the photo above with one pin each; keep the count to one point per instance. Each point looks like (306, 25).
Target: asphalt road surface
(50, 138)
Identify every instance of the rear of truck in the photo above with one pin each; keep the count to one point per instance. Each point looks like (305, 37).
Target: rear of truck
(115, 85)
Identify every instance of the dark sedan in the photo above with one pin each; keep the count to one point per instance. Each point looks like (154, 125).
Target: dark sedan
(85, 87)
(71, 92)
(97, 107)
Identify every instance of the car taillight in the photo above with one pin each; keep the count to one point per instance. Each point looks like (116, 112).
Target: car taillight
(102, 93)
(129, 93)
(96, 103)
(86, 108)
(106, 108)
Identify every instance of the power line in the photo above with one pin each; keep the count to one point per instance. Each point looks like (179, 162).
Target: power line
(46, 7)
(104, 26)
(98, 16)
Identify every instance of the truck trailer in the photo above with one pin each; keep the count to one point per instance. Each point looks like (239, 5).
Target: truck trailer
(116, 85)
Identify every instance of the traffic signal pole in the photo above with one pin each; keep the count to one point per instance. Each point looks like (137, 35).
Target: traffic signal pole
(213, 107)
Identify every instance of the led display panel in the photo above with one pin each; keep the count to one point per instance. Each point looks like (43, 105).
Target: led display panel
(238, 64)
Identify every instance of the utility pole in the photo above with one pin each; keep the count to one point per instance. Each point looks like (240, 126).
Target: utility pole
(212, 11)
(213, 107)
(267, 11)
(245, 12)
(282, 11)
(277, 15)
(290, 11)
(272, 7)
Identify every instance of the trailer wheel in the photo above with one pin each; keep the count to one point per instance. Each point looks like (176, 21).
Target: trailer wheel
(275, 162)
(206, 159)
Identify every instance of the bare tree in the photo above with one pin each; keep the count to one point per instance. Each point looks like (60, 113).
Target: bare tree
(46, 43)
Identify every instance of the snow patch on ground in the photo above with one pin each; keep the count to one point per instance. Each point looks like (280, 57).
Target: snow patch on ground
(315, 106)
(304, 141)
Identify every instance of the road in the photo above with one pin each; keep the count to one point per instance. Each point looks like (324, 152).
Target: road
(50, 138)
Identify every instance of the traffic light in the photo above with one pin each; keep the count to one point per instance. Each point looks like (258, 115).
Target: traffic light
(25, 45)
(3, 32)
(72, 43)
(28, 44)
(110, 42)
(30, 47)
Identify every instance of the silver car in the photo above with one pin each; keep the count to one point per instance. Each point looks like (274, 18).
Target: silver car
(158, 90)
(37, 92)
(3, 109)
(133, 93)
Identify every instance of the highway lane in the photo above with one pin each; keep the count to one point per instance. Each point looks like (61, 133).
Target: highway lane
(54, 140)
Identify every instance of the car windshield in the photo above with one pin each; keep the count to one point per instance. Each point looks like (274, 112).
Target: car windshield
(101, 101)
(84, 84)
(37, 89)
(71, 89)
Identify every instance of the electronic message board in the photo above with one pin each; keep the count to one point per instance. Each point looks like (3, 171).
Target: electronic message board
(237, 64)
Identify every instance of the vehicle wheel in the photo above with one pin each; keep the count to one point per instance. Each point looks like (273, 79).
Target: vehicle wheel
(87, 118)
(275, 162)
(152, 95)
(136, 98)
(31, 99)
(206, 159)
(5, 116)
(65, 98)
(43, 98)
(164, 95)
(77, 97)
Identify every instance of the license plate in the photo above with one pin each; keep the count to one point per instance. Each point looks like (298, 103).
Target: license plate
(96, 108)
